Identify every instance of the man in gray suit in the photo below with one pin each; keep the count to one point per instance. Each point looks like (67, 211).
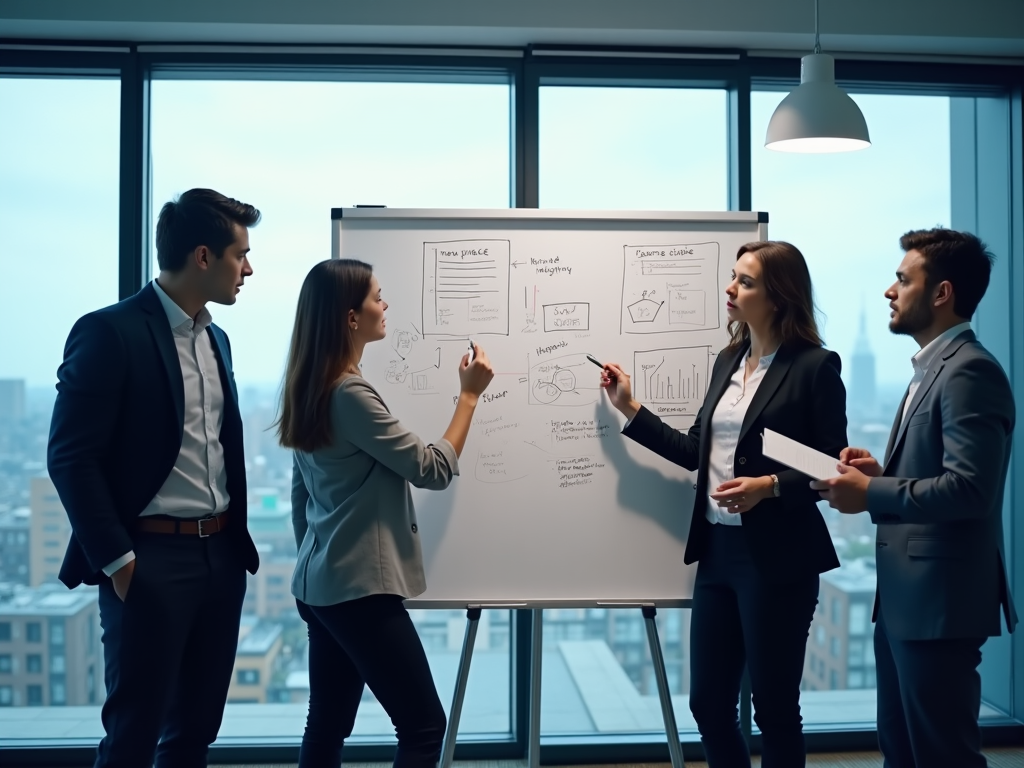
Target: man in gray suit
(937, 501)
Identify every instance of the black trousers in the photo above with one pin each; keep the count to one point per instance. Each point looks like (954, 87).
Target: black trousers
(369, 641)
(929, 697)
(740, 620)
(169, 650)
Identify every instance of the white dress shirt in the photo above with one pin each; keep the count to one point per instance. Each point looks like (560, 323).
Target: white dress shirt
(726, 422)
(925, 358)
(197, 484)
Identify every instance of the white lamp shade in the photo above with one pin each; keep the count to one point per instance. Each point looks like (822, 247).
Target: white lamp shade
(817, 116)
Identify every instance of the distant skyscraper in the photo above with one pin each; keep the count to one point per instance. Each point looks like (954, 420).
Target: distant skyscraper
(12, 400)
(862, 393)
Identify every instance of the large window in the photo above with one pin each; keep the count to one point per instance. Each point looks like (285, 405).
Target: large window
(59, 179)
(295, 150)
(633, 148)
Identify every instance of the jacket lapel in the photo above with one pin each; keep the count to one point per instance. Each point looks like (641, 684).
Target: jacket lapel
(895, 428)
(160, 330)
(224, 367)
(929, 379)
(766, 389)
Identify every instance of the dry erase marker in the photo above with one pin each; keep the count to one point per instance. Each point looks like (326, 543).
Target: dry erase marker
(472, 351)
(593, 359)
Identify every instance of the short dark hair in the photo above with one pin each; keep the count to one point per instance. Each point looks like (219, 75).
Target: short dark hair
(959, 257)
(199, 217)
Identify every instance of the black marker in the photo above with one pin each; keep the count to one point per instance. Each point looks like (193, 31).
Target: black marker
(472, 351)
(593, 359)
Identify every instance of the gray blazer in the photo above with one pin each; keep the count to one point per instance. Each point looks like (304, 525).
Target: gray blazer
(352, 508)
(939, 504)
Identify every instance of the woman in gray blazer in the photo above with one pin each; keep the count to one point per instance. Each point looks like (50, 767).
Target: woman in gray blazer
(355, 526)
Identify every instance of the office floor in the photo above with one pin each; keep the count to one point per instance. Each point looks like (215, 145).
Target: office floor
(997, 758)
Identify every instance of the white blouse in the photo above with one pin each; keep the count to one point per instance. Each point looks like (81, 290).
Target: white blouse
(726, 423)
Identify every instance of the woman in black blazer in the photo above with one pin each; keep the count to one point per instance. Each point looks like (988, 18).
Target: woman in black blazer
(756, 530)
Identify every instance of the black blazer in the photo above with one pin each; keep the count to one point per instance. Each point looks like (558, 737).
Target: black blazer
(117, 427)
(802, 397)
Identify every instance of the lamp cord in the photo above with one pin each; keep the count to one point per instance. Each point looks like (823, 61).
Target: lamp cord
(817, 42)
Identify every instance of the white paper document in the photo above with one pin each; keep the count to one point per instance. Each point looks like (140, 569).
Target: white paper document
(814, 463)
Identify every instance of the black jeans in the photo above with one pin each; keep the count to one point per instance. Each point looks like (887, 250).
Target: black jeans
(740, 620)
(369, 641)
(169, 650)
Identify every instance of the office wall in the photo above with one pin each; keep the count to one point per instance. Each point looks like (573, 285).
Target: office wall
(941, 27)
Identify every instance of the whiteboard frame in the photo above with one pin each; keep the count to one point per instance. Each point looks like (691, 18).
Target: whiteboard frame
(376, 213)
(539, 214)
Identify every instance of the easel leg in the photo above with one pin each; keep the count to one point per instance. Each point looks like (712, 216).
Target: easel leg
(533, 735)
(448, 748)
(675, 749)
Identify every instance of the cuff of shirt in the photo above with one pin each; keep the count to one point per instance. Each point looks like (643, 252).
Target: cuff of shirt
(120, 563)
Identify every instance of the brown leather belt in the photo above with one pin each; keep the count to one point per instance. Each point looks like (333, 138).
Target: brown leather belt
(202, 528)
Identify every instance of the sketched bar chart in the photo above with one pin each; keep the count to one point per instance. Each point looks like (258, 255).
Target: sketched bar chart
(672, 381)
(670, 288)
(466, 287)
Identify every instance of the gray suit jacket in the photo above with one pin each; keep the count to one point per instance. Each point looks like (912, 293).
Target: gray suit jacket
(939, 504)
(352, 508)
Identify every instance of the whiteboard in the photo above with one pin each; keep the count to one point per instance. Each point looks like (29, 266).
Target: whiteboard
(552, 506)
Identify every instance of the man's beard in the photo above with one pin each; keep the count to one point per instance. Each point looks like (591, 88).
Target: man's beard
(913, 319)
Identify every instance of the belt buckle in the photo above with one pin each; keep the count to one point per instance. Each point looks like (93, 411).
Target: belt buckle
(199, 526)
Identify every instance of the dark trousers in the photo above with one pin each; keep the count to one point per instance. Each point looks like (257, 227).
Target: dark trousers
(369, 641)
(169, 649)
(929, 696)
(739, 620)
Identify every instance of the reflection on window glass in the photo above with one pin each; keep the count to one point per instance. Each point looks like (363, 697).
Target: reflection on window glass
(296, 150)
(846, 213)
(59, 180)
(633, 148)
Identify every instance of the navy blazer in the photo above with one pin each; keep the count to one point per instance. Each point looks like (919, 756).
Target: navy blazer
(802, 397)
(117, 427)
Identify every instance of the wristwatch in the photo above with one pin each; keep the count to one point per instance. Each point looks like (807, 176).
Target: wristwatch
(775, 485)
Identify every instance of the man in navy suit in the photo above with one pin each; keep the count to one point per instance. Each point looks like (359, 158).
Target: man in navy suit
(145, 452)
(937, 499)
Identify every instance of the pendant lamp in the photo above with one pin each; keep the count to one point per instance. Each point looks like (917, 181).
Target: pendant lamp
(817, 116)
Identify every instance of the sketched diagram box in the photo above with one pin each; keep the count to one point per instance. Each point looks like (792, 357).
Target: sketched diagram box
(670, 287)
(466, 287)
(567, 317)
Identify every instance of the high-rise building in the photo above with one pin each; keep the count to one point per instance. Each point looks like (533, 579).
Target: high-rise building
(50, 653)
(12, 400)
(863, 393)
(50, 532)
(14, 545)
(840, 654)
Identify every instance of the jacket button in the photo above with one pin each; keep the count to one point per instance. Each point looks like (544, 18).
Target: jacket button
(742, 460)
(414, 528)
(695, 486)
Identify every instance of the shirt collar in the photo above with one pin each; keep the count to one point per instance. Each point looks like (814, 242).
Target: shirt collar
(925, 356)
(177, 317)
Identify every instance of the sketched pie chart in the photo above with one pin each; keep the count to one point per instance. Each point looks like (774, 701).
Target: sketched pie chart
(564, 379)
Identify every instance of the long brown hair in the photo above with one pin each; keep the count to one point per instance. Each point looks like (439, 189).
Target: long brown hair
(787, 283)
(320, 349)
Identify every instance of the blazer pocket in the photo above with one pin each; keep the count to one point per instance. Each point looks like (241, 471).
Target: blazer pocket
(918, 419)
(923, 547)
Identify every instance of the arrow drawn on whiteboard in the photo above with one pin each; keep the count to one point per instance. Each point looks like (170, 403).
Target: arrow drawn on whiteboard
(517, 263)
